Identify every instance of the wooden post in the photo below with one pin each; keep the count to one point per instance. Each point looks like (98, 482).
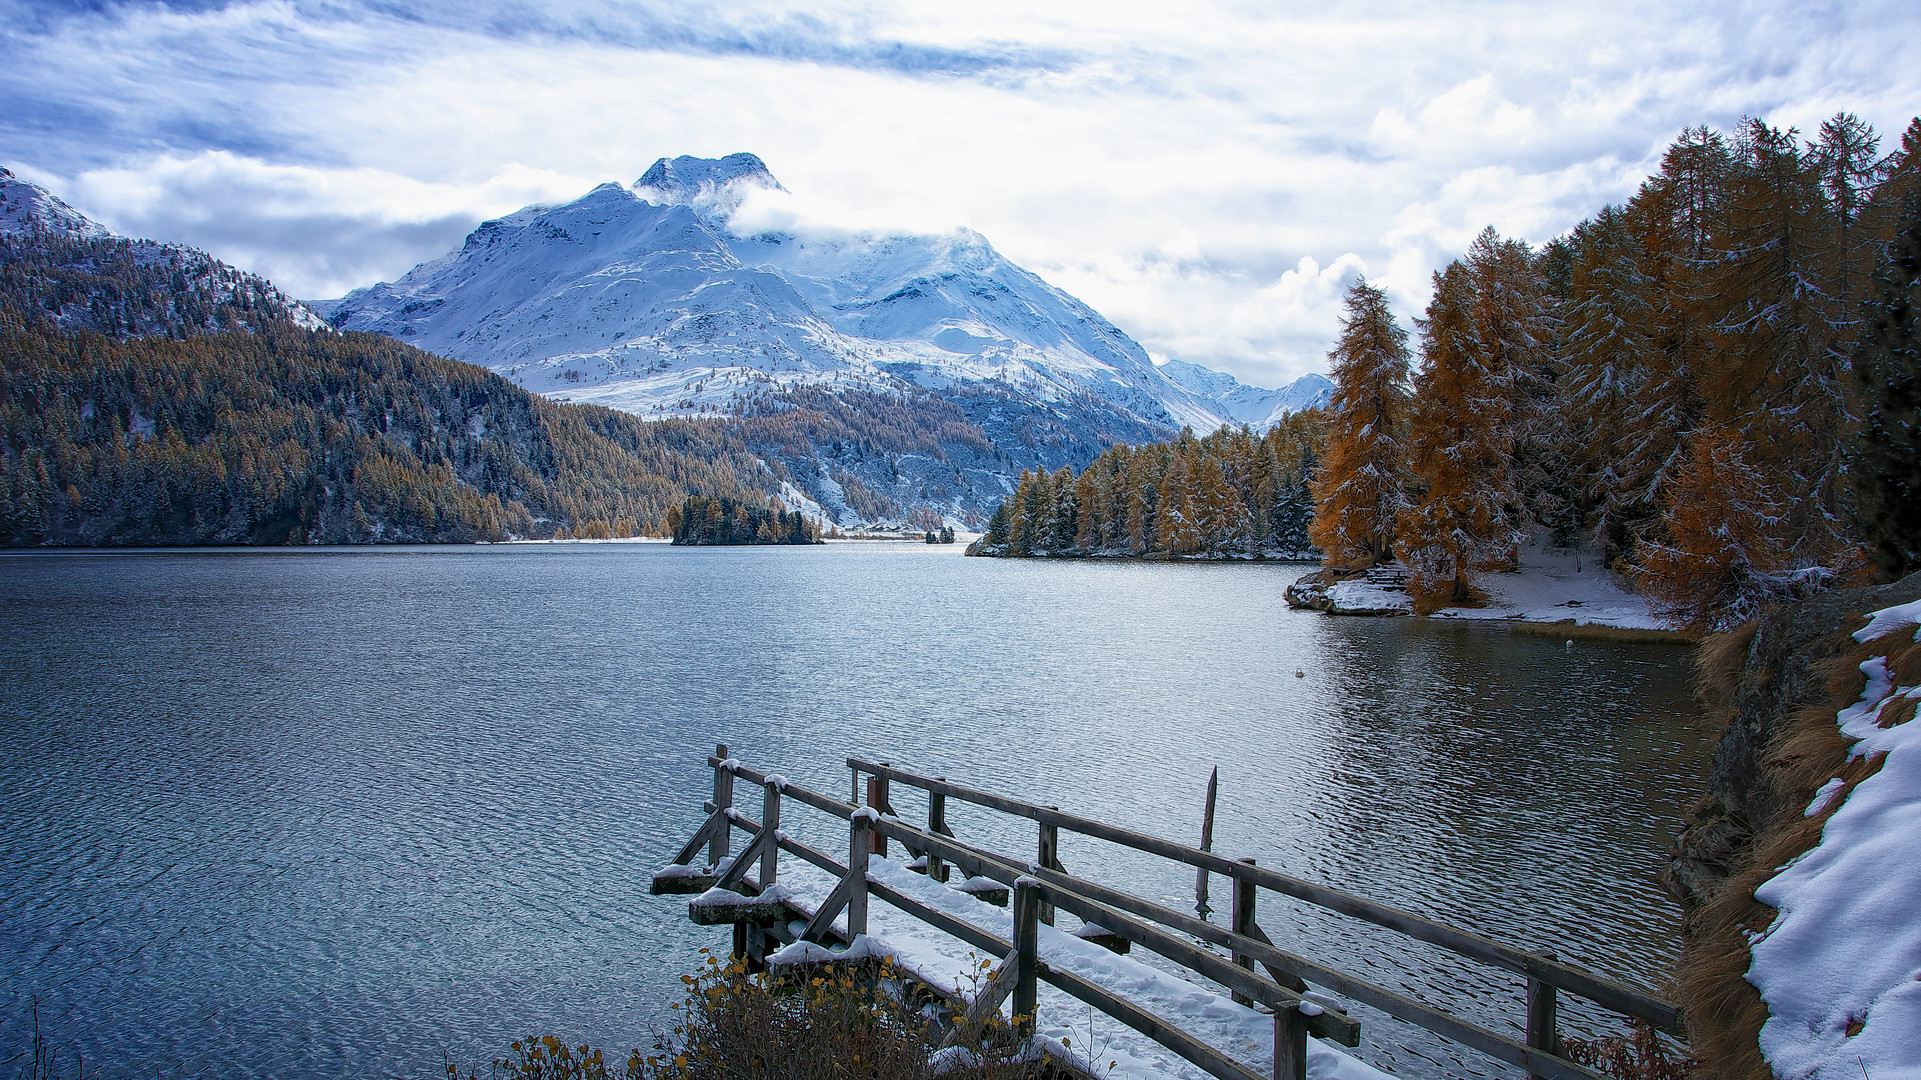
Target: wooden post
(756, 949)
(723, 798)
(937, 824)
(740, 941)
(769, 823)
(1049, 859)
(877, 799)
(1541, 1019)
(1207, 844)
(1242, 922)
(1027, 936)
(1290, 1044)
(860, 844)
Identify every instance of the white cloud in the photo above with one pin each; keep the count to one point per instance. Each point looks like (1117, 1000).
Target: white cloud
(1207, 176)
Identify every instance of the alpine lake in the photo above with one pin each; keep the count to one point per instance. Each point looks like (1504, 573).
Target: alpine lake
(360, 812)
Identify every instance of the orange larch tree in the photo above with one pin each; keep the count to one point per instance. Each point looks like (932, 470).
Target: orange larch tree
(1465, 517)
(1358, 492)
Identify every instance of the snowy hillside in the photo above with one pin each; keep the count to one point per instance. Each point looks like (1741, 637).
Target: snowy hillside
(76, 272)
(28, 208)
(648, 300)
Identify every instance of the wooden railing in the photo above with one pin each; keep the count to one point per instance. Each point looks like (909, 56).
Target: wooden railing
(1255, 970)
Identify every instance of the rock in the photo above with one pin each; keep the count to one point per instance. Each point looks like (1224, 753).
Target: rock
(1379, 590)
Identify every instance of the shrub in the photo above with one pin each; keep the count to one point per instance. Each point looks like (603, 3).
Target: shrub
(826, 1022)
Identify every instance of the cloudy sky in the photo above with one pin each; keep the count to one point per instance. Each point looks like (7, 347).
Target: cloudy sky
(1210, 176)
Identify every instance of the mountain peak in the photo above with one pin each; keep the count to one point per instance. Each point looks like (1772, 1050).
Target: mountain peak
(688, 179)
(26, 207)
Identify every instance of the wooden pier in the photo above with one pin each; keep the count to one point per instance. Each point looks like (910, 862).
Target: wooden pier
(1255, 972)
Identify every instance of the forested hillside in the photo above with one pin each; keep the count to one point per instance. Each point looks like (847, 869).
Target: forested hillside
(58, 267)
(1232, 494)
(294, 436)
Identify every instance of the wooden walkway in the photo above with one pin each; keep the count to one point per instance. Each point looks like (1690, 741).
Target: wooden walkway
(766, 916)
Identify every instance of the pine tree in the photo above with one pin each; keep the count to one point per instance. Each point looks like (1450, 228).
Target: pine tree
(1358, 493)
(1609, 352)
(1464, 519)
(1782, 380)
(1887, 366)
(1514, 327)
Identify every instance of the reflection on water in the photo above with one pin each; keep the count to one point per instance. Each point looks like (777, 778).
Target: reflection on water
(333, 813)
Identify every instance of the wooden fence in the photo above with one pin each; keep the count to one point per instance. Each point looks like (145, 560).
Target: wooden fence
(1255, 971)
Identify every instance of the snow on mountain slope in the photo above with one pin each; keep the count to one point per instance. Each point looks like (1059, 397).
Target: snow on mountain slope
(648, 301)
(26, 208)
(1241, 404)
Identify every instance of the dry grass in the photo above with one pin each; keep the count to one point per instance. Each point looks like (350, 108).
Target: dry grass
(853, 1021)
(1641, 1055)
(1725, 1012)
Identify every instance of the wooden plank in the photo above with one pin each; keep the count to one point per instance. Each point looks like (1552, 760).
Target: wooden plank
(681, 885)
(1328, 1025)
(985, 1003)
(1203, 1056)
(1274, 971)
(716, 823)
(1048, 852)
(1396, 1005)
(1331, 1025)
(1601, 990)
(1187, 1046)
(762, 842)
(720, 915)
(860, 847)
(823, 919)
(877, 801)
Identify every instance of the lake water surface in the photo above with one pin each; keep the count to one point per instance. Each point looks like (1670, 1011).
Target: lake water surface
(335, 813)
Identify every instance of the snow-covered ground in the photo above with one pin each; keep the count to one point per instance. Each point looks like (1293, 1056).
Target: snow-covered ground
(1555, 584)
(1237, 1030)
(1840, 966)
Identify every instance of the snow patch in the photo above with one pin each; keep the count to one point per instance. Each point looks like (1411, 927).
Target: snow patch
(1840, 965)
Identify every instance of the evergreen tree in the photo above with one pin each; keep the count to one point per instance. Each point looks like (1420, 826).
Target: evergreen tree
(1887, 367)
(1464, 518)
(1514, 328)
(1609, 354)
(1358, 493)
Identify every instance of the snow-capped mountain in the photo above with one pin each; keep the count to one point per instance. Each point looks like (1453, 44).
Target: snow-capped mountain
(649, 300)
(1237, 403)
